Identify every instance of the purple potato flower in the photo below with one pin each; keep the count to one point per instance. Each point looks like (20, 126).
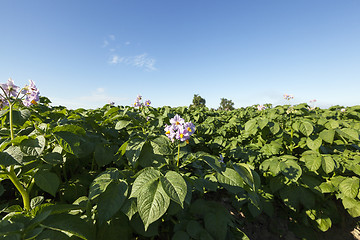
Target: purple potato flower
(147, 103)
(177, 120)
(10, 89)
(179, 129)
(261, 107)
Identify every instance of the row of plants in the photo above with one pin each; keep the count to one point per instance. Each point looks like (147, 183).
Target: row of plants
(172, 173)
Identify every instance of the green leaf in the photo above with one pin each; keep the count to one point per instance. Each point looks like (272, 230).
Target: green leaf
(122, 124)
(133, 150)
(251, 126)
(323, 223)
(102, 181)
(350, 187)
(11, 156)
(349, 133)
(313, 143)
(33, 147)
(175, 187)
(327, 135)
(152, 202)
(272, 165)
(274, 128)
(103, 154)
(231, 180)
(75, 129)
(327, 164)
(180, 235)
(53, 158)
(262, 122)
(161, 145)
(36, 201)
(312, 161)
(306, 128)
(213, 162)
(20, 117)
(216, 225)
(194, 228)
(70, 142)
(291, 170)
(129, 207)
(147, 176)
(245, 172)
(72, 224)
(332, 124)
(47, 181)
(111, 200)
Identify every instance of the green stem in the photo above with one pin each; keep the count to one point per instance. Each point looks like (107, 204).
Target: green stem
(178, 155)
(11, 174)
(20, 188)
(11, 121)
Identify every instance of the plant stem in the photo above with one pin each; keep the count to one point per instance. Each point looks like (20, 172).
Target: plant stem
(178, 155)
(25, 196)
(11, 121)
(11, 174)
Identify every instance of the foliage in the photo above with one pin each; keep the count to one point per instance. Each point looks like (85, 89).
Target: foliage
(198, 101)
(112, 173)
(226, 104)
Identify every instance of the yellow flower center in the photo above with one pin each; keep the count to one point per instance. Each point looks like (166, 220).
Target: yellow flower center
(189, 129)
(168, 132)
(177, 123)
(181, 135)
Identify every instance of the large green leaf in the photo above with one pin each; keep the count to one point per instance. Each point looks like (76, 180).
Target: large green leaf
(245, 172)
(306, 128)
(104, 154)
(350, 187)
(147, 176)
(69, 141)
(33, 147)
(251, 126)
(216, 225)
(122, 124)
(291, 170)
(231, 180)
(312, 161)
(327, 135)
(11, 156)
(175, 186)
(212, 161)
(47, 181)
(102, 181)
(20, 117)
(161, 145)
(72, 224)
(133, 150)
(75, 129)
(152, 203)
(111, 200)
(313, 143)
(327, 164)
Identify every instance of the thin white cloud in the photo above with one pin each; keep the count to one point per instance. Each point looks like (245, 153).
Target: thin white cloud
(127, 43)
(112, 37)
(141, 61)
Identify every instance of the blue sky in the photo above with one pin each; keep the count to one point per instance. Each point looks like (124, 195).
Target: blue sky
(87, 53)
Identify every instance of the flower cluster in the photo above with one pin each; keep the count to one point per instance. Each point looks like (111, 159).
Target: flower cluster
(179, 129)
(139, 103)
(288, 96)
(28, 95)
(261, 107)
